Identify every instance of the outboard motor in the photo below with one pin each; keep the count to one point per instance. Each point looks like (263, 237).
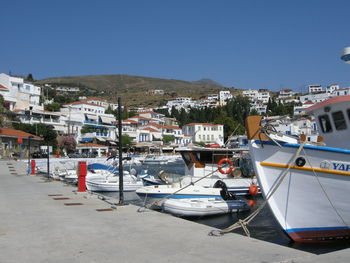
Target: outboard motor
(225, 194)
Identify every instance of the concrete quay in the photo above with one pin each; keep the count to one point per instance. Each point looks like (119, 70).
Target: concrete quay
(47, 221)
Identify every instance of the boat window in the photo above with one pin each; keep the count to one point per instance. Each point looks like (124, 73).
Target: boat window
(186, 157)
(325, 123)
(348, 112)
(339, 120)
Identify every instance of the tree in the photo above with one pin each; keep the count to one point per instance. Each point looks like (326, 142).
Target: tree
(86, 129)
(45, 131)
(30, 77)
(52, 107)
(126, 141)
(168, 138)
(67, 143)
(253, 112)
(109, 110)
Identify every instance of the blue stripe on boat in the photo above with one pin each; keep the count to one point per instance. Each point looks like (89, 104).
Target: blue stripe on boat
(311, 147)
(179, 196)
(292, 230)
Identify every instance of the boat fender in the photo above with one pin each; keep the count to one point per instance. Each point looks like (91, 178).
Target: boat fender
(253, 190)
(225, 194)
(300, 161)
(227, 161)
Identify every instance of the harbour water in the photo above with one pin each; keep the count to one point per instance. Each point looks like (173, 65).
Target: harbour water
(263, 227)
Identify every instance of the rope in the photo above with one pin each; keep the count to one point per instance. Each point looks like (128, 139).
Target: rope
(244, 223)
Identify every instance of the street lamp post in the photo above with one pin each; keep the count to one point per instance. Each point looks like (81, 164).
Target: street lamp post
(48, 160)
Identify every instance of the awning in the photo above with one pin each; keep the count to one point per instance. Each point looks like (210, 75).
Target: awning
(101, 139)
(157, 136)
(113, 143)
(91, 117)
(105, 119)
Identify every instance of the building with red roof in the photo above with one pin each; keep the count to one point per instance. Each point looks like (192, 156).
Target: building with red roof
(17, 141)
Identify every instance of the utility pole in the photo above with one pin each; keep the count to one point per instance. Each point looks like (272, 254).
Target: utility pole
(121, 194)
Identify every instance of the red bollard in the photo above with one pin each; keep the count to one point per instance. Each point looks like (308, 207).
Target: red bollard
(82, 170)
(32, 165)
(57, 154)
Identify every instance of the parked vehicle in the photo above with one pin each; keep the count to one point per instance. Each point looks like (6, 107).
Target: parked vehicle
(39, 155)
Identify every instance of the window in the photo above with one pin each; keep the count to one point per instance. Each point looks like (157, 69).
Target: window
(325, 123)
(339, 120)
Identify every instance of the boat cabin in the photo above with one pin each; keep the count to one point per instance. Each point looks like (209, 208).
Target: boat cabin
(201, 161)
(333, 119)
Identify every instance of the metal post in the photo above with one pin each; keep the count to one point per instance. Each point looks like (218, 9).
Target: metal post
(48, 160)
(121, 194)
(29, 167)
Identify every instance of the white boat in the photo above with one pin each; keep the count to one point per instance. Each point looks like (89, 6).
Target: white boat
(199, 163)
(154, 159)
(106, 179)
(111, 184)
(307, 186)
(203, 206)
(155, 192)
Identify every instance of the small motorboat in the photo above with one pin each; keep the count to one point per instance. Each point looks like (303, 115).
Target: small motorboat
(203, 206)
(111, 184)
(154, 159)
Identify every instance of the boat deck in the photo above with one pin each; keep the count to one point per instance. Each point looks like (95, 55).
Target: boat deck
(44, 221)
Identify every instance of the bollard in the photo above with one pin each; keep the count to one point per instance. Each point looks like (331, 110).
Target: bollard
(82, 170)
(57, 154)
(32, 164)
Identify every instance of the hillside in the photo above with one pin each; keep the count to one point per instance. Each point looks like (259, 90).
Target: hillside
(136, 90)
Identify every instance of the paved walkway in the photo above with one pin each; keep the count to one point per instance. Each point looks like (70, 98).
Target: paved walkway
(36, 227)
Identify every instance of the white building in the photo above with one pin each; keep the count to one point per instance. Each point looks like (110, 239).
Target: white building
(314, 98)
(101, 102)
(224, 96)
(261, 95)
(331, 88)
(205, 132)
(19, 94)
(300, 110)
(314, 88)
(91, 116)
(181, 102)
(285, 93)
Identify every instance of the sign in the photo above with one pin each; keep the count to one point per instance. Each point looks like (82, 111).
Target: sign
(19, 140)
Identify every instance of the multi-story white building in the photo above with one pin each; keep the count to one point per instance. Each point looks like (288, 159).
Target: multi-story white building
(205, 132)
(224, 96)
(101, 102)
(314, 88)
(300, 110)
(181, 102)
(19, 94)
(91, 116)
(314, 98)
(261, 95)
(285, 93)
(331, 88)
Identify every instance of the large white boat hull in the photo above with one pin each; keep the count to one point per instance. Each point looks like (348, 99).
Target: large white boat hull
(311, 203)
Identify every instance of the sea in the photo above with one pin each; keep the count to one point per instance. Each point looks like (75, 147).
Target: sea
(263, 227)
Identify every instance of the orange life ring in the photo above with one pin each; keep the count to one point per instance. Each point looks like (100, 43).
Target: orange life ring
(229, 162)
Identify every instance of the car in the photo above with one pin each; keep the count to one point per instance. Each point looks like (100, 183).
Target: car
(39, 155)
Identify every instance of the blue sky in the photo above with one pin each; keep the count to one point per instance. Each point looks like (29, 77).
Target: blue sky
(246, 44)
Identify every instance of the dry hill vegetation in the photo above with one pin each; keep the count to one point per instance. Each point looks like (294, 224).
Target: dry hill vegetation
(135, 90)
